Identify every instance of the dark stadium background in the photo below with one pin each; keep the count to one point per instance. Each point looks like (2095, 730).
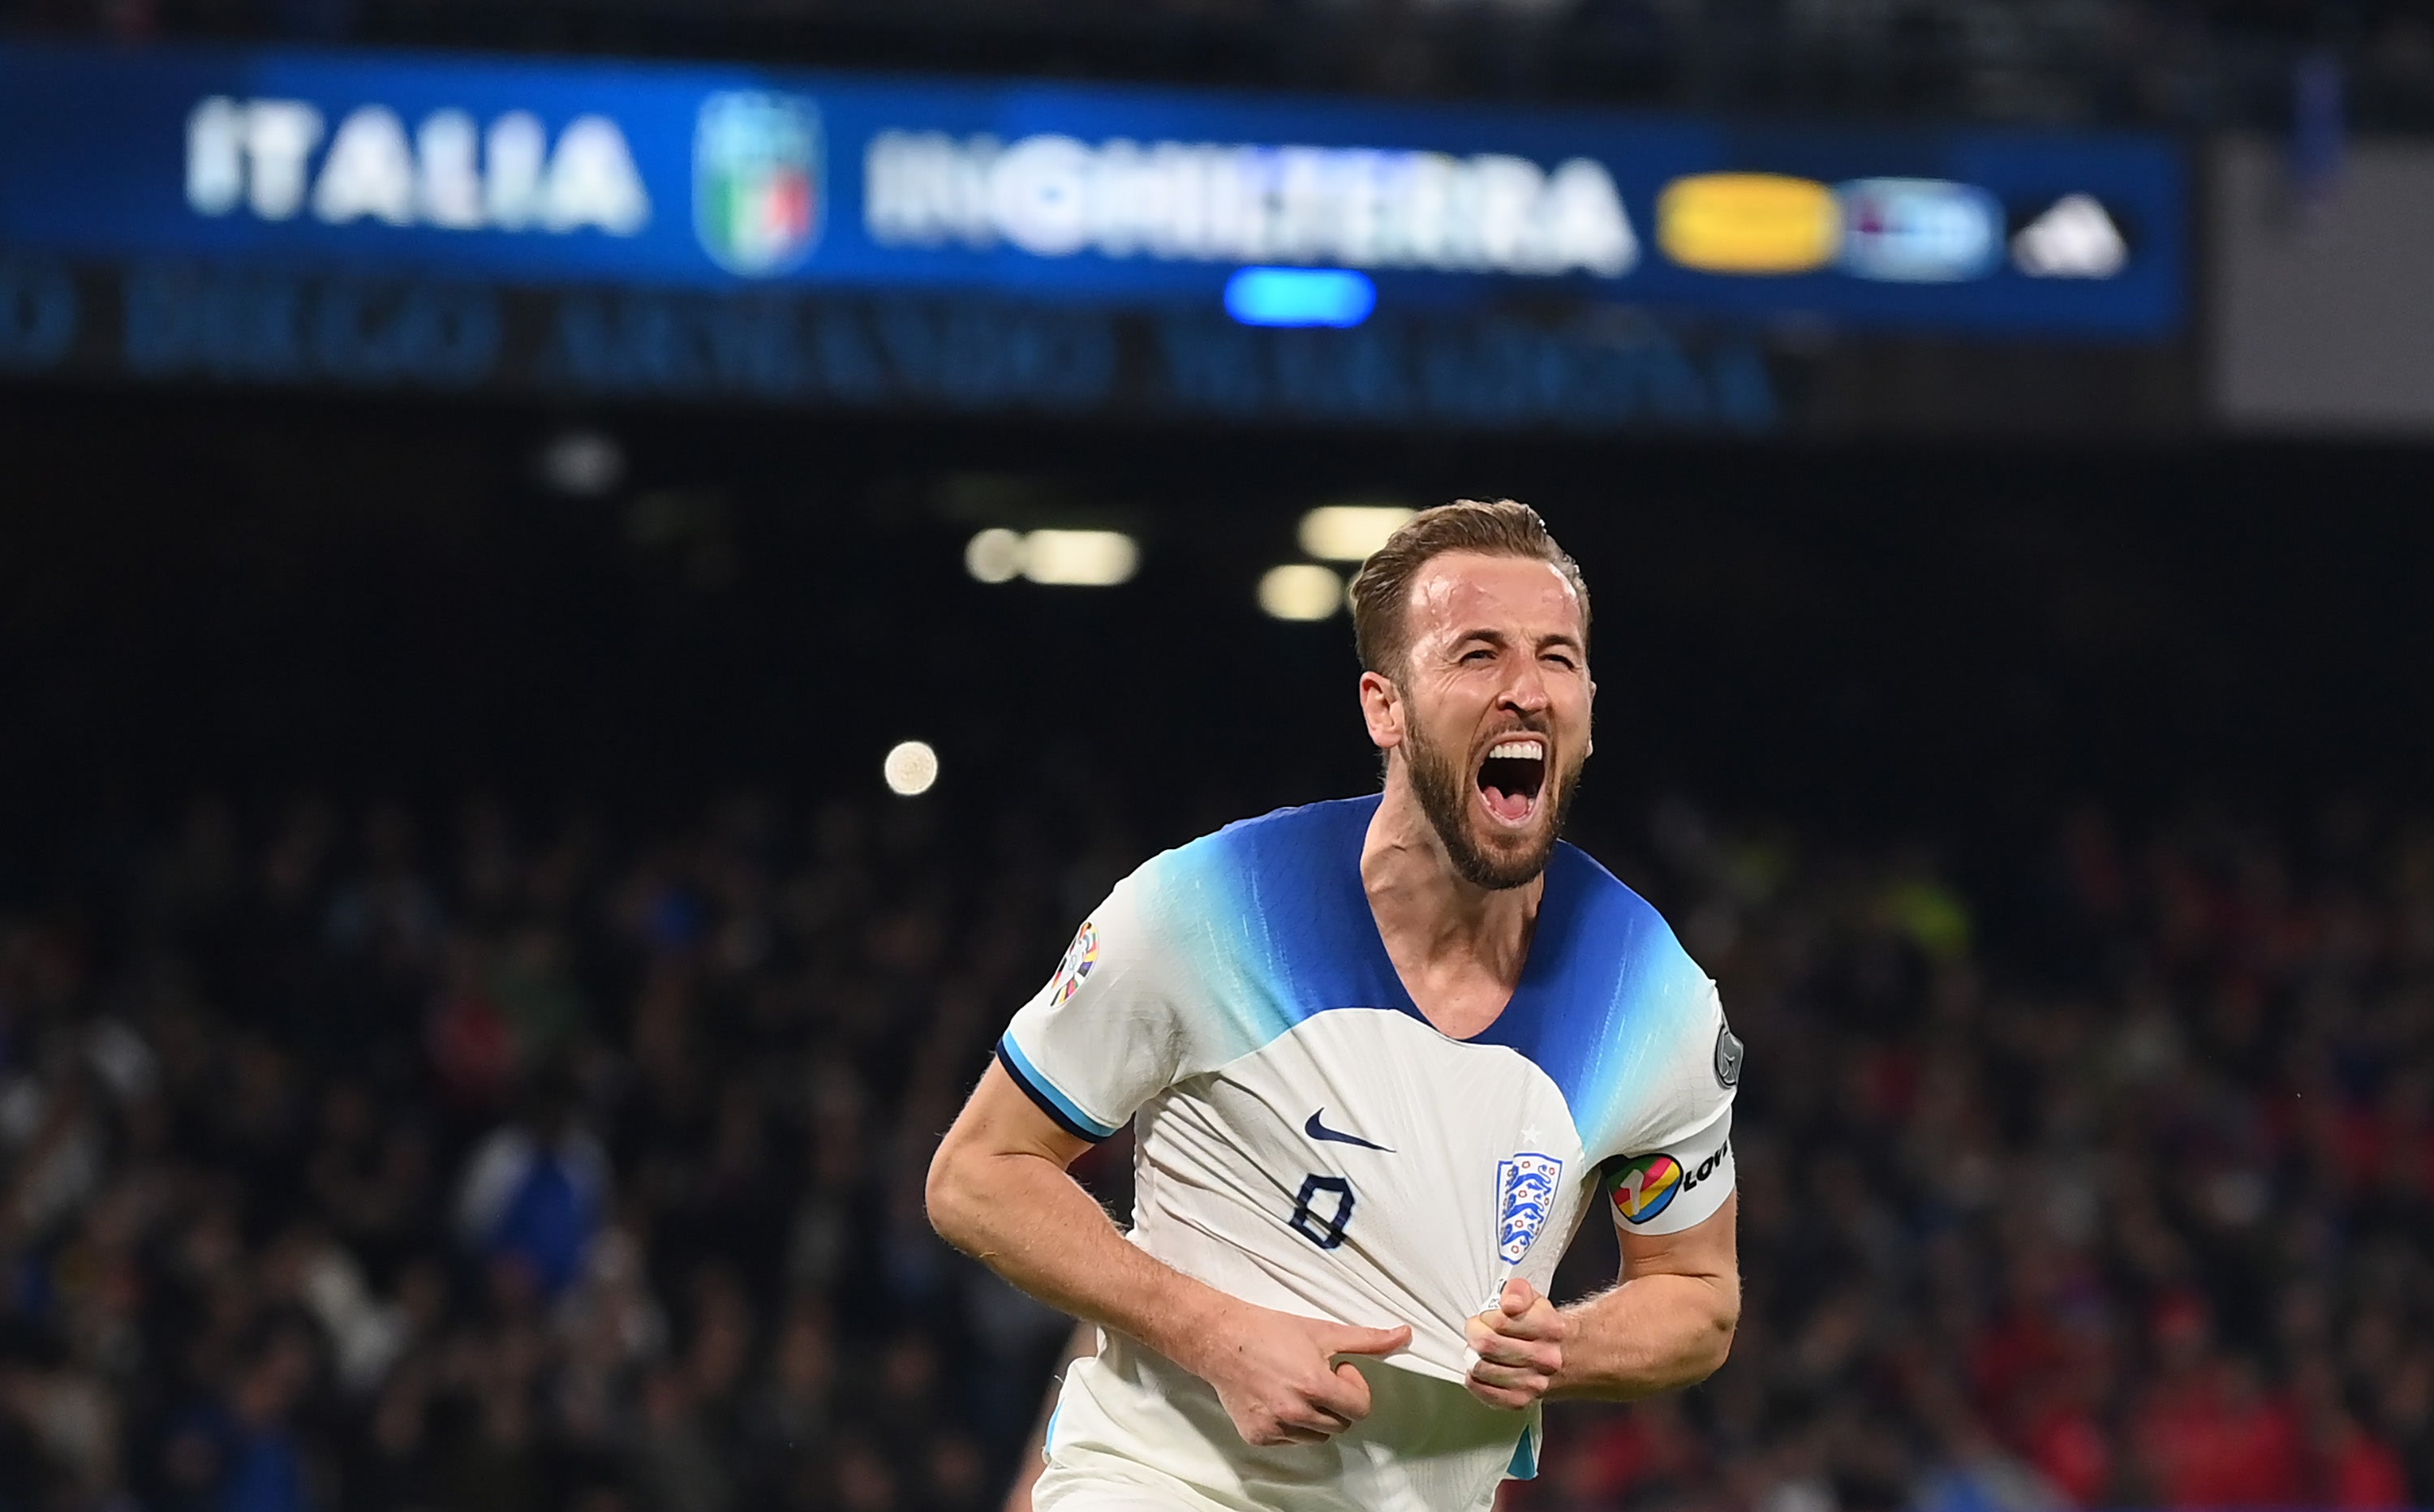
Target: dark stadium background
(2038, 758)
(234, 591)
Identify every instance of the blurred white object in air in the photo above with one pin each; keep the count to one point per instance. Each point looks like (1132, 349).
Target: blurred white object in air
(910, 769)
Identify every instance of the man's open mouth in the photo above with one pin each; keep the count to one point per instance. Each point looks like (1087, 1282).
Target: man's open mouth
(1512, 776)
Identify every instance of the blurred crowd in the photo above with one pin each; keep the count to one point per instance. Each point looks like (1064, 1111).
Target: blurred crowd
(2121, 1194)
(479, 1161)
(357, 1163)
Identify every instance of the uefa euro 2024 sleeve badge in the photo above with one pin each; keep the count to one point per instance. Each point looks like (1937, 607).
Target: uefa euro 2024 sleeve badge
(1525, 1195)
(1079, 958)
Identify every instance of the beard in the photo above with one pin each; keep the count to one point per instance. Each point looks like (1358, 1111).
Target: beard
(1446, 793)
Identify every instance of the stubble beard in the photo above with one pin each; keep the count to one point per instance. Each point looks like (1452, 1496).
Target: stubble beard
(1446, 795)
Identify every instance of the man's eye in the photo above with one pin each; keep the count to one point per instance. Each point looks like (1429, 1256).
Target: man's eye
(1483, 654)
(1561, 660)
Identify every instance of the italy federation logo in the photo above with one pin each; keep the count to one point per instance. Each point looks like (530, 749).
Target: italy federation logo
(756, 181)
(1525, 1196)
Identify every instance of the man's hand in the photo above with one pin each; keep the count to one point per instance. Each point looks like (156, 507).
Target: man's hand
(1278, 1375)
(1519, 1343)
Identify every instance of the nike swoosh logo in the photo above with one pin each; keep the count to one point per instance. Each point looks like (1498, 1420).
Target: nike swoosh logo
(1318, 1130)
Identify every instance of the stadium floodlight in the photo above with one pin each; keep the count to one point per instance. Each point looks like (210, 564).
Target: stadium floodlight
(1079, 558)
(1066, 558)
(910, 769)
(1301, 591)
(994, 555)
(1350, 532)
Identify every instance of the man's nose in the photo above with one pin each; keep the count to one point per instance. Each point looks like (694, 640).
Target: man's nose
(1526, 690)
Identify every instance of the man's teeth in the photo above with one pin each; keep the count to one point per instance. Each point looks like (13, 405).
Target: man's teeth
(1520, 751)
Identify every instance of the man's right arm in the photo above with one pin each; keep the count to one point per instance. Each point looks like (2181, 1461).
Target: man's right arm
(999, 1191)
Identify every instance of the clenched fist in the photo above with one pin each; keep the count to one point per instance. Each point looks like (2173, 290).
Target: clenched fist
(1519, 1342)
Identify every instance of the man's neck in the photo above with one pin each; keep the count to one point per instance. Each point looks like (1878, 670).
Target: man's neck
(1430, 918)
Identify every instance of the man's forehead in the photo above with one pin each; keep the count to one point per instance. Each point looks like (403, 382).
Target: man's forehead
(1466, 590)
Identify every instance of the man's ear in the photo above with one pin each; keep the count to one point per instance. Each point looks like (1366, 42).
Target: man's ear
(1381, 709)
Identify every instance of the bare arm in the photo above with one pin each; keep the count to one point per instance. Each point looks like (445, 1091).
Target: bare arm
(1669, 1323)
(999, 1192)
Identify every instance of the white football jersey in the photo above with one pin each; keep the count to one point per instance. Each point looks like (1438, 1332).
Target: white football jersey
(1306, 1141)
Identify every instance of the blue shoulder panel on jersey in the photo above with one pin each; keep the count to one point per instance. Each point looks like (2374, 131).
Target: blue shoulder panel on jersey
(1259, 913)
(1057, 1106)
(1278, 927)
(1606, 995)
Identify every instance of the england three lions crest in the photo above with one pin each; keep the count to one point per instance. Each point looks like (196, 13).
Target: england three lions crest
(1525, 1196)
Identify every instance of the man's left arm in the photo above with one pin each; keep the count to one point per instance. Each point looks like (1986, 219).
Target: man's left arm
(1667, 1324)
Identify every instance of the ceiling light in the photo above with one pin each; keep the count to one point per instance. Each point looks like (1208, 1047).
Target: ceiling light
(994, 556)
(1349, 533)
(1079, 558)
(1301, 591)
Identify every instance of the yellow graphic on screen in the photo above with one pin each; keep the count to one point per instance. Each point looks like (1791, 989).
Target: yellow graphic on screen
(1748, 223)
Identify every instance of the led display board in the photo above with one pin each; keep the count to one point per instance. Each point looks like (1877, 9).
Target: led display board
(701, 178)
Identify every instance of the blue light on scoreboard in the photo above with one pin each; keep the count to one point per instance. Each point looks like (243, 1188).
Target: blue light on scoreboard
(712, 177)
(1300, 297)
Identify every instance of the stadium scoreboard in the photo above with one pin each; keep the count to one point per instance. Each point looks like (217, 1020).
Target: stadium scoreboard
(629, 227)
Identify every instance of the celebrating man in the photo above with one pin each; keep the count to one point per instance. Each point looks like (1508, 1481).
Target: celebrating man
(1380, 1055)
